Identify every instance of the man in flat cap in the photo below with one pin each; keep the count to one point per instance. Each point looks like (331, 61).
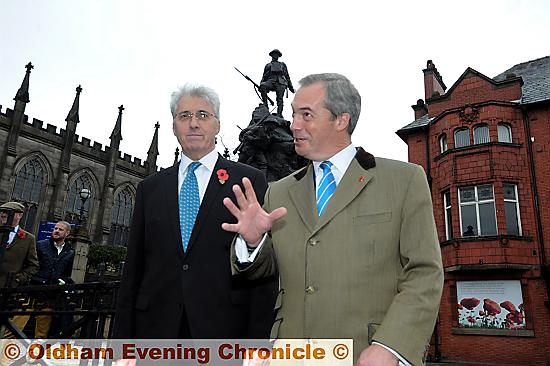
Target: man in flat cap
(18, 258)
(18, 261)
(275, 78)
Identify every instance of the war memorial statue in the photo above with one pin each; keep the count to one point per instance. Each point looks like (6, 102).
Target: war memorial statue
(267, 142)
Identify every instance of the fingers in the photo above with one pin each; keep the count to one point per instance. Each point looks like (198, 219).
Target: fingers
(240, 197)
(231, 207)
(248, 197)
(234, 228)
(249, 191)
(277, 213)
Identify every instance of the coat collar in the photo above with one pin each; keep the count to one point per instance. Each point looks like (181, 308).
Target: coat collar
(365, 160)
(66, 246)
(355, 179)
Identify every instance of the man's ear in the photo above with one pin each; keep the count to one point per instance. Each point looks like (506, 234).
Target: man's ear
(342, 121)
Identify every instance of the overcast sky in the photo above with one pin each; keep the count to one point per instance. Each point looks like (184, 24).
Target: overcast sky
(136, 53)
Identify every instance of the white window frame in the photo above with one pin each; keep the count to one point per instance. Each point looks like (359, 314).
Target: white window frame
(477, 129)
(516, 201)
(443, 144)
(459, 130)
(447, 209)
(477, 202)
(508, 130)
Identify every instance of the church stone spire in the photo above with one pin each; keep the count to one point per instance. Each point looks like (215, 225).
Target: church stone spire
(153, 152)
(63, 169)
(116, 135)
(73, 113)
(23, 92)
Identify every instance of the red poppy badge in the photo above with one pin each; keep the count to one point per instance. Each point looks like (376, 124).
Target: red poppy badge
(223, 176)
(21, 234)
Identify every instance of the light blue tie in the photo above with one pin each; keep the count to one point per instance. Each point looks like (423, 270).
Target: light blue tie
(189, 203)
(326, 188)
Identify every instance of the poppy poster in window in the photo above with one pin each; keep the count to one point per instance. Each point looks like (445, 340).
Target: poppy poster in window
(490, 304)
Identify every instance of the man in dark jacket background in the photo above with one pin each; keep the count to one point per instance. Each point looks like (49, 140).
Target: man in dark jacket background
(56, 257)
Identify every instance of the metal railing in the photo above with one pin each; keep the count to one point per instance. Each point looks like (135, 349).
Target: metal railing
(92, 306)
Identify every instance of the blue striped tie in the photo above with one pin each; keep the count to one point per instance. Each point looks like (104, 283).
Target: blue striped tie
(326, 188)
(189, 203)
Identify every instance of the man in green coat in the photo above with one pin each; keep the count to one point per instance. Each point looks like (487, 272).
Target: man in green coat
(353, 236)
(19, 260)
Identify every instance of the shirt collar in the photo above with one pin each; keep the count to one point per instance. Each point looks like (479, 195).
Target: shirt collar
(58, 245)
(208, 161)
(340, 161)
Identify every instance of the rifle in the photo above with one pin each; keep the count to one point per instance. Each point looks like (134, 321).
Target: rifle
(252, 81)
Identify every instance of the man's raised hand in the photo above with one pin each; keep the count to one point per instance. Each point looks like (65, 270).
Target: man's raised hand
(252, 220)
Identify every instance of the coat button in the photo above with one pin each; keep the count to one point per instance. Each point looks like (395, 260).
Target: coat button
(185, 267)
(313, 242)
(310, 289)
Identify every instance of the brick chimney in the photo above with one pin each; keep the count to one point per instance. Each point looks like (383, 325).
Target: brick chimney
(433, 83)
(420, 109)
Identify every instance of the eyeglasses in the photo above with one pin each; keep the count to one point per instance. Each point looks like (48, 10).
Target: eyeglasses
(199, 115)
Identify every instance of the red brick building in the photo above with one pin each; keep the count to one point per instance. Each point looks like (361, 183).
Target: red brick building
(485, 146)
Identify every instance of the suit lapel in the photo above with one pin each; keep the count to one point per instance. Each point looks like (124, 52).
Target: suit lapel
(303, 196)
(171, 203)
(353, 182)
(16, 238)
(213, 189)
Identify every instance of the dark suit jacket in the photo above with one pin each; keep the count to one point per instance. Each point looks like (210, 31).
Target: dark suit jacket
(161, 284)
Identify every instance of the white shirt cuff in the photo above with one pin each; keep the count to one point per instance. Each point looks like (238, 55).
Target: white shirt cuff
(402, 361)
(241, 250)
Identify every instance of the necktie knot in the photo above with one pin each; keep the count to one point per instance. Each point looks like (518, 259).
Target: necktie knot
(326, 166)
(192, 167)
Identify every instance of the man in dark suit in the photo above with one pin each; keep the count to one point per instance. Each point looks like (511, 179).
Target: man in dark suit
(177, 280)
(353, 236)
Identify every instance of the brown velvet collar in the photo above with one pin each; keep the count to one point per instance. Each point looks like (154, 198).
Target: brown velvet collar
(365, 159)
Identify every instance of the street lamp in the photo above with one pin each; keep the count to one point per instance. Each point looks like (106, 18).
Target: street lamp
(84, 195)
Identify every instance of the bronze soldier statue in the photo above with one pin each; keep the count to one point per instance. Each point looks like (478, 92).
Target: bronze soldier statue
(275, 78)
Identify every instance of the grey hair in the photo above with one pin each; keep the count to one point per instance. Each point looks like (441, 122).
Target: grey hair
(199, 91)
(340, 95)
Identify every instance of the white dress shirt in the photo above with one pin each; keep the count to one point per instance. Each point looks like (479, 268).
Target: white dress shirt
(12, 233)
(59, 247)
(203, 172)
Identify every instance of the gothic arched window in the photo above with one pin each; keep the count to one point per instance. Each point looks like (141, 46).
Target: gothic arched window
(121, 214)
(29, 184)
